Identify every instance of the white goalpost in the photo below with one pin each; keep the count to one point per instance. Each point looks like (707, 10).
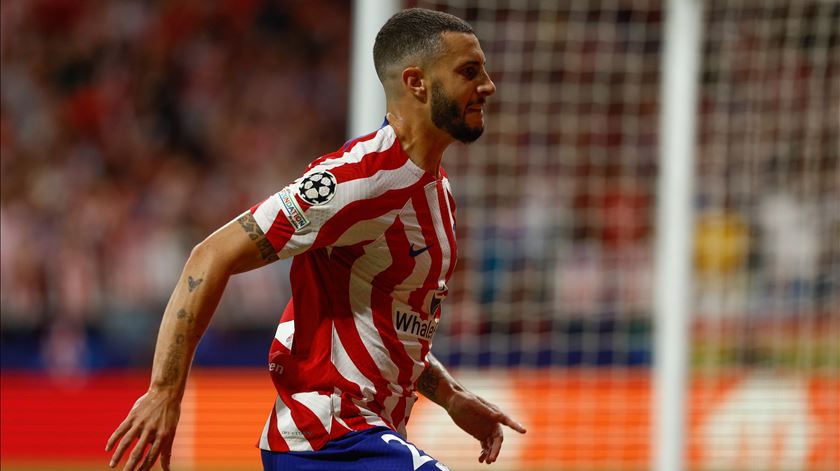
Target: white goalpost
(672, 295)
(648, 271)
(367, 100)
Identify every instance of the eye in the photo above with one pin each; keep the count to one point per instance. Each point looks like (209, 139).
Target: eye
(470, 72)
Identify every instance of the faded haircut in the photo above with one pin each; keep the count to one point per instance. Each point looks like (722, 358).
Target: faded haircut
(413, 33)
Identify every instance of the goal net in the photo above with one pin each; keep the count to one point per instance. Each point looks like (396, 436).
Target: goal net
(556, 205)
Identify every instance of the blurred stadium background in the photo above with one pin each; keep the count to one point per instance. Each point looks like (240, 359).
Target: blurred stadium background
(131, 129)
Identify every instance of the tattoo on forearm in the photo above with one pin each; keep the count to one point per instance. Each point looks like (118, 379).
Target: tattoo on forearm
(194, 283)
(172, 364)
(249, 225)
(184, 315)
(428, 381)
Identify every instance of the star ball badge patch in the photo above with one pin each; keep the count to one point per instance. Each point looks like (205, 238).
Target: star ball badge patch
(317, 188)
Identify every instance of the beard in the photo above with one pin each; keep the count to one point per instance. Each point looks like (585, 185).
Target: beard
(447, 117)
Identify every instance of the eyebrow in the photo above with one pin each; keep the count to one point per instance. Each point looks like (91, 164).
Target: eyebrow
(470, 62)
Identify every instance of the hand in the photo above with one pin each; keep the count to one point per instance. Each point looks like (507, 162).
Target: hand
(483, 421)
(152, 421)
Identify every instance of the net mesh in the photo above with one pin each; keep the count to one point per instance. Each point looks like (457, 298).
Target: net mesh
(767, 313)
(555, 210)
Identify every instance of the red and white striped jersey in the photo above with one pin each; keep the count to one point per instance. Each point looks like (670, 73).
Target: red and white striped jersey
(373, 240)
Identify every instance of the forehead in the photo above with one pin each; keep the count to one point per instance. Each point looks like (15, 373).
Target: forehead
(461, 48)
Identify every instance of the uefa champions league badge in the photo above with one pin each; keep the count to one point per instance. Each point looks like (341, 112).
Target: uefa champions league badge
(317, 188)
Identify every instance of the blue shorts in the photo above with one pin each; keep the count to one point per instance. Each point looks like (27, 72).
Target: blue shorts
(376, 449)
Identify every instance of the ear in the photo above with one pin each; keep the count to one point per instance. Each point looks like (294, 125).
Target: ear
(415, 82)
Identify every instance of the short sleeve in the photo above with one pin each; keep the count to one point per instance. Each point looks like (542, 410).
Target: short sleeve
(321, 208)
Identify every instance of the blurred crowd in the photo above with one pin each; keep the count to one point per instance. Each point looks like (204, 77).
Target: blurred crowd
(129, 130)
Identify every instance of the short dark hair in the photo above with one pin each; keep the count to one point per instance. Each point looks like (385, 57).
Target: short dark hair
(415, 31)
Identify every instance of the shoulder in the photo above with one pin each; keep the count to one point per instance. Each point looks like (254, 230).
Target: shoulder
(360, 153)
(370, 165)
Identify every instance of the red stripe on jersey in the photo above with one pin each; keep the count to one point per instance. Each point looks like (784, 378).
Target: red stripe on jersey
(311, 275)
(347, 147)
(452, 210)
(369, 165)
(448, 227)
(337, 429)
(342, 259)
(275, 440)
(280, 232)
(350, 337)
(307, 422)
(345, 327)
(355, 347)
(424, 218)
(362, 210)
(398, 415)
(382, 305)
(351, 415)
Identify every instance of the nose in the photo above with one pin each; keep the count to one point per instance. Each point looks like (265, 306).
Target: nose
(487, 88)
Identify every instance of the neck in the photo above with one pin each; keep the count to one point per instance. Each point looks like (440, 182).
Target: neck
(420, 139)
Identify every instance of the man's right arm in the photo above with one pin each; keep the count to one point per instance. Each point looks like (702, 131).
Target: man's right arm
(237, 247)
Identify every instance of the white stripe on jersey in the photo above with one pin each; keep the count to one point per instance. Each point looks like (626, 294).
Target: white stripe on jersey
(361, 231)
(409, 404)
(390, 404)
(440, 232)
(319, 404)
(384, 139)
(348, 370)
(285, 333)
(345, 193)
(360, 303)
(264, 437)
(447, 193)
(267, 212)
(288, 429)
(418, 275)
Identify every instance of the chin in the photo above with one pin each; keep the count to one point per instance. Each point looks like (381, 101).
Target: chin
(468, 135)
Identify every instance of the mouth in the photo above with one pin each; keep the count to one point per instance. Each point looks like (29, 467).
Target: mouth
(476, 107)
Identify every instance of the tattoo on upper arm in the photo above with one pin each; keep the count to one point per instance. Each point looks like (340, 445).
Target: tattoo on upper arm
(249, 225)
(194, 283)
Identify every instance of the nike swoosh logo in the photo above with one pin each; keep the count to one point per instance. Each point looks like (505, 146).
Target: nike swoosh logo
(412, 252)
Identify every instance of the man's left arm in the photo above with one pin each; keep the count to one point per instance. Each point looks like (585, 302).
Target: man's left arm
(473, 414)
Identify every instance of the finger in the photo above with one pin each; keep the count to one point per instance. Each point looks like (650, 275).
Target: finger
(152, 456)
(495, 447)
(485, 450)
(119, 432)
(166, 455)
(124, 443)
(137, 452)
(505, 419)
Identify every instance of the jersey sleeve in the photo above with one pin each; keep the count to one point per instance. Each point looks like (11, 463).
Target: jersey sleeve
(321, 208)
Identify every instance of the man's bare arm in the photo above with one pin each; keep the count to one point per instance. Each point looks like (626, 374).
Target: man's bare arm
(237, 247)
(436, 384)
(472, 413)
